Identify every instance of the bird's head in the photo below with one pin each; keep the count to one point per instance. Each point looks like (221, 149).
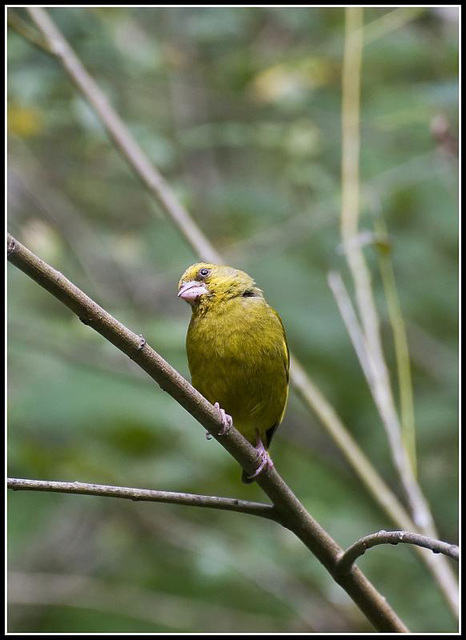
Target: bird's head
(203, 283)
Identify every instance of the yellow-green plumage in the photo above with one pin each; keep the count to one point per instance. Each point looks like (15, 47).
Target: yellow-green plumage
(237, 349)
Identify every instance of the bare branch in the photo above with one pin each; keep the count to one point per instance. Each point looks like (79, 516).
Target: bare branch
(364, 353)
(146, 495)
(380, 27)
(351, 321)
(405, 385)
(292, 513)
(394, 537)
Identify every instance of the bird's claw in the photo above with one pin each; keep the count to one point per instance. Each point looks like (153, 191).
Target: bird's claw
(264, 460)
(227, 421)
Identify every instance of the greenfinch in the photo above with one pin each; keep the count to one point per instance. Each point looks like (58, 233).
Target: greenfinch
(237, 353)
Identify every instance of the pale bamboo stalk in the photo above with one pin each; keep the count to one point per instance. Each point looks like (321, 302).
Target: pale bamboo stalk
(380, 382)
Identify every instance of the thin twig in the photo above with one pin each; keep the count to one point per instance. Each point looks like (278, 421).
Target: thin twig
(389, 22)
(292, 513)
(405, 385)
(351, 321)
(394, 537)
(355, 332)
(146, 495)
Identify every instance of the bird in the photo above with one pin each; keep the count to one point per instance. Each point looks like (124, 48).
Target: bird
(237, 352)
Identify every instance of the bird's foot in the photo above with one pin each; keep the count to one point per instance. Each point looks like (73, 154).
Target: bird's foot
(263, 458)
(227, 422)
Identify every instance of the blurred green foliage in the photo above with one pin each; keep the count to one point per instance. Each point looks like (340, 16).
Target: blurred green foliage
(240, 110)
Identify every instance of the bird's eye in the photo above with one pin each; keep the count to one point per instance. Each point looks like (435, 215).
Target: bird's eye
(204, 272)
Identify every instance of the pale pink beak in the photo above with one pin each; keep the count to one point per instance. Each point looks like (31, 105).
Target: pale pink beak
(190, 291)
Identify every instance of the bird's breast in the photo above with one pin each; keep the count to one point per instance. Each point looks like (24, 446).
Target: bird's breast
(237, 357)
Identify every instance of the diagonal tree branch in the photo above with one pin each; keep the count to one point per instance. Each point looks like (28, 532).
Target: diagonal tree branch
(292, 513)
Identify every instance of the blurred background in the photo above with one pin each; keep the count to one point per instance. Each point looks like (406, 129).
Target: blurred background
(240, 109)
